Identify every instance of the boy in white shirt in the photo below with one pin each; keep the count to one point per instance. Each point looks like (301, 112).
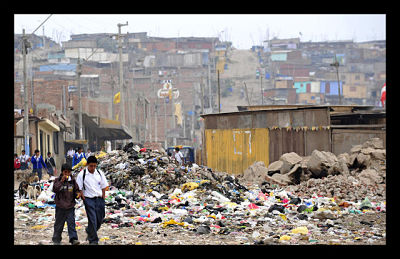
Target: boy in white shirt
(179, 156)
(24, 159)
(92, 185)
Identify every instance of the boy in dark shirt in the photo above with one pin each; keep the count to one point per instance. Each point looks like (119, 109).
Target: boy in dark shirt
(66, 190)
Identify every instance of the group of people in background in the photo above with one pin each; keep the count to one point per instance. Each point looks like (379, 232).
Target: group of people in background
(73, 157)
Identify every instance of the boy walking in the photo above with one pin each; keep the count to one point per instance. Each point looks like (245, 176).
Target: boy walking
(37, 162)
(92, 185)
(66, 190)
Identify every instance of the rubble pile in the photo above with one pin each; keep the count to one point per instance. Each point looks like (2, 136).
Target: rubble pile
(346, 176)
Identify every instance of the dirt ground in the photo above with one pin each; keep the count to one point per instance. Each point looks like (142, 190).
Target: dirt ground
(153, 234)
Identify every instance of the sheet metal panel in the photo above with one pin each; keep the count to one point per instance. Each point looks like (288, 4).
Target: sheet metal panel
(234, 150)
(269, 118)
(344, 139)
(319, 140)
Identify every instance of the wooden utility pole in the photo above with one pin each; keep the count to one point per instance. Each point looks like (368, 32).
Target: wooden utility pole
(155, 109)
(165, 124)
(262, 92)
(202, 95)
(247, 94)
(32, 87)
(25, 46)
(64, 102)
(219, 95)
(121, 76)
(78, 79)
(112, 95)
(44, 43)
(173, 118)
(209, 87)
(336, 65)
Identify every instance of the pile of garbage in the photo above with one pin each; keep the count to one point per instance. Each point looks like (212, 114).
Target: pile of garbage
(346, 176)
(140, 170)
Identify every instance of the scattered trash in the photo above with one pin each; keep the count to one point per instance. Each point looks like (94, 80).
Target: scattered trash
(151, 200)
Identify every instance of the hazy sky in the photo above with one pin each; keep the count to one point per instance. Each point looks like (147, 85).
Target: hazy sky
(243, 30)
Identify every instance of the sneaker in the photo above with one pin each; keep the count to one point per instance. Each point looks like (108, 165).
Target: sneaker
(56, 243)
(75, 242)
(93, 243)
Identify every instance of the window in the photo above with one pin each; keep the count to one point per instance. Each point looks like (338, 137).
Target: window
(55, 142)
(358, 77)
(353, 89)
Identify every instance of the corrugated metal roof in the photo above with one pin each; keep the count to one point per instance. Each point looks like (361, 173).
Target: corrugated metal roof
(63, 67)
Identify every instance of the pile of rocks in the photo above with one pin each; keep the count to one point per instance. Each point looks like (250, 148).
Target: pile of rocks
(327, 174)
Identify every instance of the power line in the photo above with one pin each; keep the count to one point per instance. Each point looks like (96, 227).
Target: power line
(40, 26)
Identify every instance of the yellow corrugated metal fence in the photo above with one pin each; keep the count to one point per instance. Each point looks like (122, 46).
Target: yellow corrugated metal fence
(234, 150)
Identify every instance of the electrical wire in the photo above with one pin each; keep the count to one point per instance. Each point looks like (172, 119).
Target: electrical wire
(40, 26)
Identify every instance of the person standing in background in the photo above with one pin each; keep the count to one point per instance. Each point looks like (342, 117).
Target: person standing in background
(70, 156)
(50, 163)
(78, 157)
(38, 163)
(24, 159)
(89, 153)
(179, 156)
(17, 163)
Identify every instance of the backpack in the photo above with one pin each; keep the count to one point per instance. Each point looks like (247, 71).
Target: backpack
(83, 178)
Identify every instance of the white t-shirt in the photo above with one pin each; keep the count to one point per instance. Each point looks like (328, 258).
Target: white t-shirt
(71, 153)
(178, 157)
(23, 158)
(94, 183)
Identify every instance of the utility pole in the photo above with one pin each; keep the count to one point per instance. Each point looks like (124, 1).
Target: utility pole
(78, 79)
(64, 102)
(209, 87)
(112, 95)
(121, 87)
(202, 95)
(129, 106)
(247, 94)
(262, 92)
(219, 95)
(149, 119)
(134, 104)
(336, 65)
(155, 110)
(32, 88)
(25, 46)
(144, 117)
(44, 43)
(165, 124)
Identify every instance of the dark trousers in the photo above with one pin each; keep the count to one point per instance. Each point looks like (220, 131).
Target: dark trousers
(24, 165)
(69, 161)
(39, 172)
(50, 170)
(63, 215)
(95, 211)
